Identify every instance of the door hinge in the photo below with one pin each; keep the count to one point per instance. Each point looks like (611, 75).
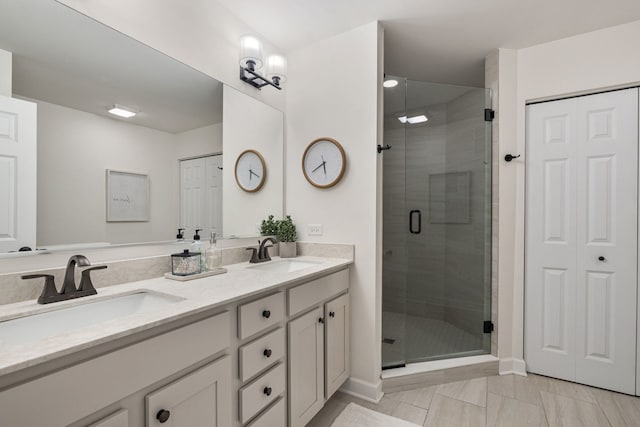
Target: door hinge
(489, 115)
(488, 326)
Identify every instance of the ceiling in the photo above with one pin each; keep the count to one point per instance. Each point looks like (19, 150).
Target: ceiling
(443, 41)
(65, 58)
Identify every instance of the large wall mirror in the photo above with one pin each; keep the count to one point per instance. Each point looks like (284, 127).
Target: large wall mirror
(92, 166)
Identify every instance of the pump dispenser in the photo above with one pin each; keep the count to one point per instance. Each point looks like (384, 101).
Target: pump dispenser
(213, 255)
(196, 247)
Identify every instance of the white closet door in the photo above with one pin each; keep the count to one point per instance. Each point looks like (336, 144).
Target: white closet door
(607, 240)
(551, 239)
(192, 194)
(17, 174)
(582, 197)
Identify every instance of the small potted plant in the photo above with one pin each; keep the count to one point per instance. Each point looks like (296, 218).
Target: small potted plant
(287, 237)
(269, 226)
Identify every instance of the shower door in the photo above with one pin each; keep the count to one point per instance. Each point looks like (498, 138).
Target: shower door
(437, 223)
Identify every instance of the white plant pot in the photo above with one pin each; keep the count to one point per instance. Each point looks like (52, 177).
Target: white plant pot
(288, 250)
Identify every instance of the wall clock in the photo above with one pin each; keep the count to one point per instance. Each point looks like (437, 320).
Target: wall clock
(250, 171)
(324, 162)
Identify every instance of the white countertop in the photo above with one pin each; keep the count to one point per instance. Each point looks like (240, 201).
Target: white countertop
(241, 281)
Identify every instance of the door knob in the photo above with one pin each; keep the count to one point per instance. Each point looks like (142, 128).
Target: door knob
(267, 352)
(266, 314)
(163, 416)
(332, 314)
(267, 391)
(321, 320)
(601, 258)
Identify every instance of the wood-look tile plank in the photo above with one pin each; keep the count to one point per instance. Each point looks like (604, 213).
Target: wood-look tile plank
(471, 391)
(568, 412)
(448, 412)
(410, 413)
(507, 412)
(524, 389)
(420, 397)
(620, 409)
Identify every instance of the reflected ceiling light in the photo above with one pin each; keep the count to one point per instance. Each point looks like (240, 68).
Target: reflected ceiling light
(390, 83)
(122, 111)
(413, 119)
(251, 62)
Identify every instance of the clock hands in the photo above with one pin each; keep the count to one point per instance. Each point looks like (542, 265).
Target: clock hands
(321, 165)
(252, 173)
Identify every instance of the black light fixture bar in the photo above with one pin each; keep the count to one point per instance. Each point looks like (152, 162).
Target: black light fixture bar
(249, 75)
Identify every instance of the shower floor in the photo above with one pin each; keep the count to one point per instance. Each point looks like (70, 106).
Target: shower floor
(419, 339)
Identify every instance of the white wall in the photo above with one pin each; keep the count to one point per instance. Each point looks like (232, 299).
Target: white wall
(74, 150)
(581, 64)
(327, 97)
(250, 124)
(198, 142)
(6, 72)
(200, 33)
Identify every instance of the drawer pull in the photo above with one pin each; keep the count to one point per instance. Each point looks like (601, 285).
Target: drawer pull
(267, 352)
(321, 320)
(163, 416)
(332, 314)
(266, 314)
(267, 391)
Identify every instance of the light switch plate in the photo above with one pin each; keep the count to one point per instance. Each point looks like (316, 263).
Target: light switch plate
(315, 229)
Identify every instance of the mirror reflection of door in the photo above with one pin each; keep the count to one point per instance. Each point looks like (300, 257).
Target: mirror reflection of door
(201, 196)
(17, 174)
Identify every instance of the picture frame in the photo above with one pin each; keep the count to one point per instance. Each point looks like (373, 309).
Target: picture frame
(127, 196)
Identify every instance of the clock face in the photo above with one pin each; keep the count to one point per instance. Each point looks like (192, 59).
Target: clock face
(324, 162)
(250, 171)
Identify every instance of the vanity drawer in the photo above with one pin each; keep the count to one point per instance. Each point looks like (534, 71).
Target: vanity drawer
(259, 315)
(306, 296)
(261, 392)
(261, 353)
(275, 416)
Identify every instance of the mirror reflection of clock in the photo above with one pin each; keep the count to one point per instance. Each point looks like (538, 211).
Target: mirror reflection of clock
(250, 171)
(324, 162)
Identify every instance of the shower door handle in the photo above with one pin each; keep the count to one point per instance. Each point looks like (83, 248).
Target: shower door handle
(412, 229)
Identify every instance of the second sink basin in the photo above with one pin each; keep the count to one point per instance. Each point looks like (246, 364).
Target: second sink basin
(284, 266)
(77, 317)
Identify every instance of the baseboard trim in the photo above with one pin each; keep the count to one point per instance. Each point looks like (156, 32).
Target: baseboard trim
(371, 392)
(510, 365)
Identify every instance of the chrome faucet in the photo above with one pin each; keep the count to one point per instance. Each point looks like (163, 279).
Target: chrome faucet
(262, 253)
(69, 291)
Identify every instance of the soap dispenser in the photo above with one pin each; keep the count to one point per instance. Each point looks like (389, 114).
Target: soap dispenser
(196, 248)
(180, 235)
(213, 255)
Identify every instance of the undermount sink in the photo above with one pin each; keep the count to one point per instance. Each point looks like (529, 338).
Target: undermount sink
(284, 266)
(77, 317)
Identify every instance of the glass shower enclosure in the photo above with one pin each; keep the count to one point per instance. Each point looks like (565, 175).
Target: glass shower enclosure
(436, 293)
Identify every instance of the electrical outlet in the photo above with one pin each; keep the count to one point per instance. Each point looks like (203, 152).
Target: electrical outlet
(315, 229)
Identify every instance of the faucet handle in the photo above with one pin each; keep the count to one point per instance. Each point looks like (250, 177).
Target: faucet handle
(49, 291)
(254, 255)
(86, 286)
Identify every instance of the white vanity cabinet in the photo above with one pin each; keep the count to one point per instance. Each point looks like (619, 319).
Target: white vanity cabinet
(318, 344)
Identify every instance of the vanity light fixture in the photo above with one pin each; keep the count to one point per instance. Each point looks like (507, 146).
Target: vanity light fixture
(251, 62)
(390, 83)
(122, 111)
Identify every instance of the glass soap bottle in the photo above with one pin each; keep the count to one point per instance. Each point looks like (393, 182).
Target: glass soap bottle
(213, 254)
(196, 247)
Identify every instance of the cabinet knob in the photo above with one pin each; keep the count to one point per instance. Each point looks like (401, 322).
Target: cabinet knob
(267, 391)
(601, 258)
(266, 314)
(163, 416)
(321, 320)
(332, 314)
(267, 352)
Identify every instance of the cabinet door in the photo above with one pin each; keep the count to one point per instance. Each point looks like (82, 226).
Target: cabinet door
(202, 398)
(306, 367)
(337, 343)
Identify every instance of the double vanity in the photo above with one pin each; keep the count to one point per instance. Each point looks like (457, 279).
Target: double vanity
(263, 345)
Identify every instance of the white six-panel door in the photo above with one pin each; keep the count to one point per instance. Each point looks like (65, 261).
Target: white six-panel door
(201, 195)
(17, 174)
(581, 250)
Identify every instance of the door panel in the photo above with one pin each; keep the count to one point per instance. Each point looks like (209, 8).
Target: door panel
(17, 174)
(551, 239)
(582, 165)
(607, 192)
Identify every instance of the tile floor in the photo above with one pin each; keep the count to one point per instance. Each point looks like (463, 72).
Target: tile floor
(419, 338)
(508, 400)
